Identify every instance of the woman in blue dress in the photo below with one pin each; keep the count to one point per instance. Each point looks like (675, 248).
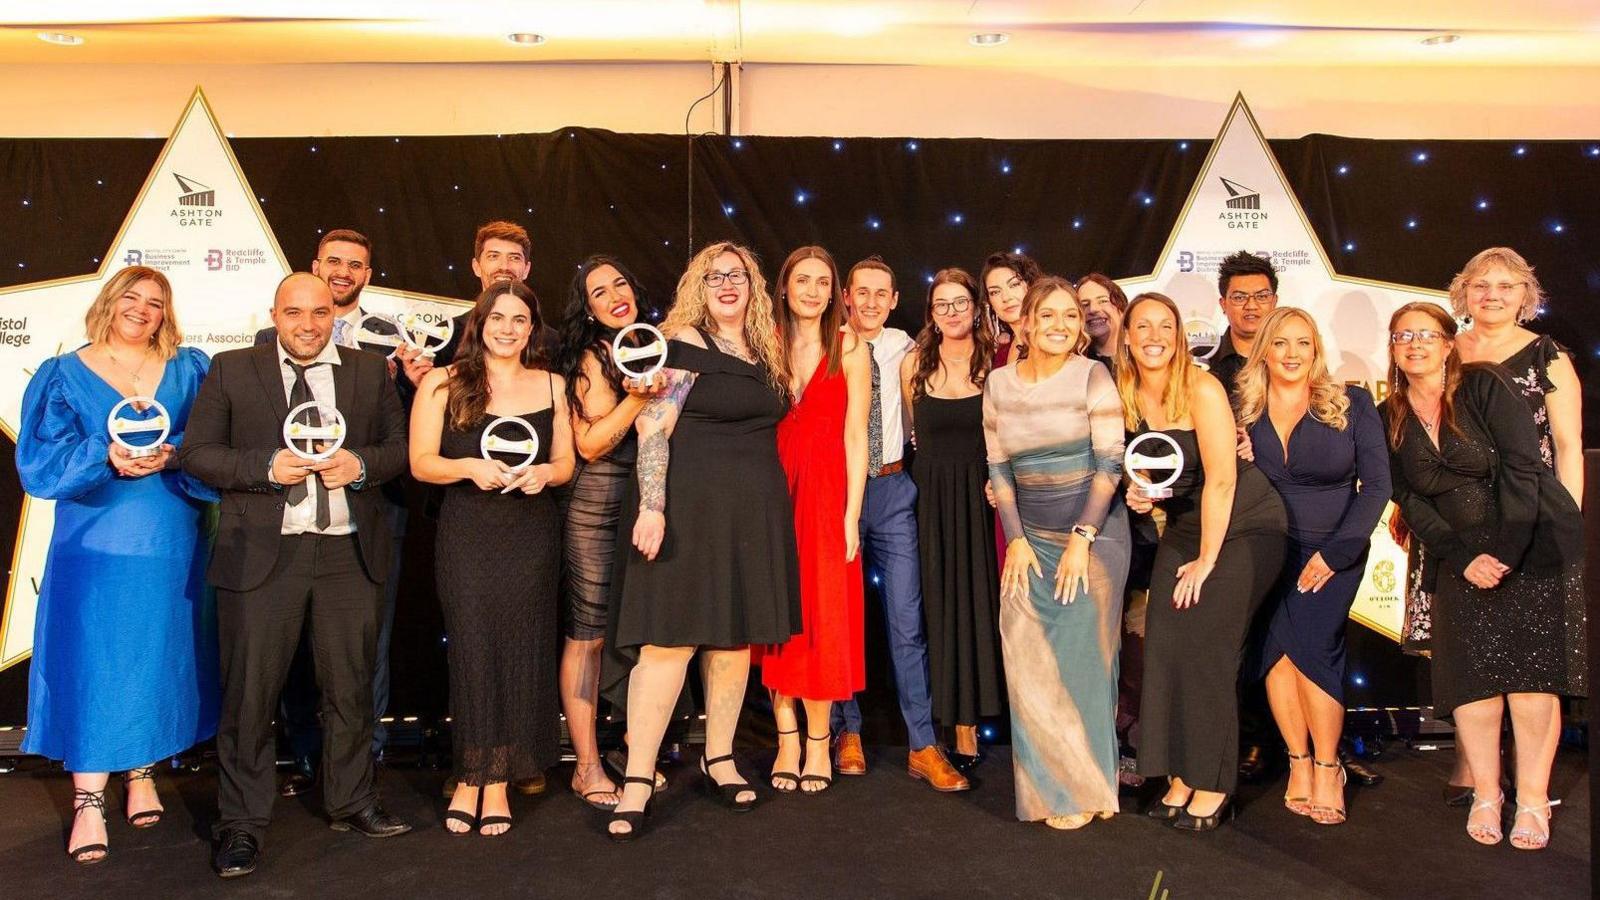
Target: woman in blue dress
(1322, 445)
(124, 670)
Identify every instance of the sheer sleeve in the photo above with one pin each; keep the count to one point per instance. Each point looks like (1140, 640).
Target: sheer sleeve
(59, 456)
(1001, 478)
(1105, 436)
(1372, 471)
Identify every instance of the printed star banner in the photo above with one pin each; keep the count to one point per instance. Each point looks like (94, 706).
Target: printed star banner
(1241, 201)
(197, 221)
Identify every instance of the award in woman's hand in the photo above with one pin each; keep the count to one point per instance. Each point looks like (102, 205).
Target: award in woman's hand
(639, 350)
(139, 425)
(513, 437)
(380, 333)
(1142, 466)
(421, 334)
(314, 430)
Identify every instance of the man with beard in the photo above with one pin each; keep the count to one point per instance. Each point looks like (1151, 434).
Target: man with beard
(298, 540)
(502, 253)
(344, 263)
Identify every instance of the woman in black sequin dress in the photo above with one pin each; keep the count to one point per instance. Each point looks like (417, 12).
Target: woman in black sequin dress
(1506, 540)
(498, 553)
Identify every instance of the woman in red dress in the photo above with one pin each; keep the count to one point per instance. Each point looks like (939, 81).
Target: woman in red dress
(822, 444)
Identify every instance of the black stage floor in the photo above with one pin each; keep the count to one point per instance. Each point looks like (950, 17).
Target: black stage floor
(882, 835)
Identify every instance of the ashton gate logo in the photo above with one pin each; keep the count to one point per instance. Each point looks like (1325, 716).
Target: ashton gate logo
(197, 203)
(1241, 208)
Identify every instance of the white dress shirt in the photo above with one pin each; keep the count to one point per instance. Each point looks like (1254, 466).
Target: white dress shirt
(889, 348)
(301, 518)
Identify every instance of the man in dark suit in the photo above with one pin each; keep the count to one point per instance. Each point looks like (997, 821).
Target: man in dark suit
(344, 261)
(296, 538)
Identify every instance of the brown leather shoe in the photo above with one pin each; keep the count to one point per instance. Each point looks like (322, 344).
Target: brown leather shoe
(848, 757)
(528, 787)
(930, 765)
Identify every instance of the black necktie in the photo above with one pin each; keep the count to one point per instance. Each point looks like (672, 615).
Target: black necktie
(301, 393)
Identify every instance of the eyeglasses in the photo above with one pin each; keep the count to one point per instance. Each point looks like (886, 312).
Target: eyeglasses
(715, 279)
(1261, 298)
(1421, 336)
(1482, 288)
(946, 307)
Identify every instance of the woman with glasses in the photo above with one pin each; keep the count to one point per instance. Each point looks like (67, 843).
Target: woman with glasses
(1321, 445)
(1505, 539)
(712, 568)
(1053, 434)
(941, 382)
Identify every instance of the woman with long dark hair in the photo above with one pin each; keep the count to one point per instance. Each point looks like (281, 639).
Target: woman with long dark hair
(1005, 279)
(822, 443)
(498, 550)
(603, 404)
(1505, 538)
(941, 382)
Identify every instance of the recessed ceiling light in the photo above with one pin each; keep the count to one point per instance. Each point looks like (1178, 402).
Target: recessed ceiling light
(1437, 39)
(525, 37)
(60, 37)
(989, 39)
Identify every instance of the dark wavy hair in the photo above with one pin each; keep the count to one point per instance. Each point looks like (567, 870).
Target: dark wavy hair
(580, 333)
(1020, 263)
(929, 338)
(469, 379)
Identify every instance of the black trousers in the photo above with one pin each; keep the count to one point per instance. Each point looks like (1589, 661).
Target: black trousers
(320, 577)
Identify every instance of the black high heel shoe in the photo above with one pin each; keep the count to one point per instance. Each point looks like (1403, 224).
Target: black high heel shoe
(726, 794)
(1161, 810)
(633, 819)
(150, 817)
(825, 780)
(792, 779)
(1191, 822)
(82, 800)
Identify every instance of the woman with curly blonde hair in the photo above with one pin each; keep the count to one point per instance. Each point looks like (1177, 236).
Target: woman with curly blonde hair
(1322, 445)
(715, 571)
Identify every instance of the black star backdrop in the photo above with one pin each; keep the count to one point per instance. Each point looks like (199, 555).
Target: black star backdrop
(1403, 211)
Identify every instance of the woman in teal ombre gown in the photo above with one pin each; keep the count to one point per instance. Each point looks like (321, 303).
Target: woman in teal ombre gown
(124, 670)
(1053, 426)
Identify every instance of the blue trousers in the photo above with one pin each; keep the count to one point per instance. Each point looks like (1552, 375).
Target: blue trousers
(889, 547)
(299, 700)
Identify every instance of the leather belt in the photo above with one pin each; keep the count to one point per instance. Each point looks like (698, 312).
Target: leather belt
(893, 468)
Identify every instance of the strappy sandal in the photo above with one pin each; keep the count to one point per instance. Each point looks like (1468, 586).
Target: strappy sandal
(790, 780)
(825, 780)
(486, 821)
(82, 800)
(726, 794)
(1527, 838)
(465, 818)
(1330, 815)
(1488, 835)
(634, 819)
(587, 795)
(1300, 806)
(618, 761)
(150, 817)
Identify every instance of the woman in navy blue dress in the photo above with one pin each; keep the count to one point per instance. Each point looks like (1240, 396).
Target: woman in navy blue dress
(124, 670)
(1322, 445)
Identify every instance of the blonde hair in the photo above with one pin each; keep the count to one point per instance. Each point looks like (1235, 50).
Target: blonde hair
(1038, 290)
(1329, 403)
(97, 322)
(1532, 306)
(690, 309)
(1180, 368)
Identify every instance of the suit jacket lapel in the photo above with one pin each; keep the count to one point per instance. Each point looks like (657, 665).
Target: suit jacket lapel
(266, 359)
(344, 384)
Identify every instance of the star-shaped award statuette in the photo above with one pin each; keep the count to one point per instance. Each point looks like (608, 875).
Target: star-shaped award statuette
(1241, 201)
(197, 220)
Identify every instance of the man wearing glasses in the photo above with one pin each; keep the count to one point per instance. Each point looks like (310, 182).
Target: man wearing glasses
(1247, 288)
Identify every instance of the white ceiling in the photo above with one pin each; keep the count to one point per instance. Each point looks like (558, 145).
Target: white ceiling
(1124, 33)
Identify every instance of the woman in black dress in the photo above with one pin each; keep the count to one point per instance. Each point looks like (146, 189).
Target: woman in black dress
(604, 404)
(498, 553)
(1321, 445)
(712, 567)
(1219, 555)
(1506, 540)
(942, 384)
